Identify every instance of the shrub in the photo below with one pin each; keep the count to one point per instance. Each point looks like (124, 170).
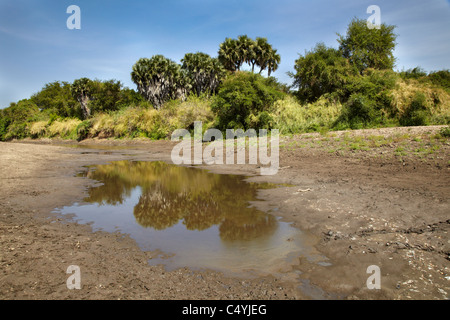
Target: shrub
(83, 129)
(441, 78)
(182, 114)
(38, 129)
(445, 132)
(242, 97)
(65, 129)
(417, 113)
(415, 73)
(290, 117)
(320, 71)
(358, 112)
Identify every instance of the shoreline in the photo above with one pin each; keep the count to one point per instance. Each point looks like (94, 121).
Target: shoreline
(359, 213)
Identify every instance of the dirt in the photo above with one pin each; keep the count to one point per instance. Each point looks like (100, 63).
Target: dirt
(358, 209)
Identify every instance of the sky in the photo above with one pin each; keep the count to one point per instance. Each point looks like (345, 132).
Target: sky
(37, 47)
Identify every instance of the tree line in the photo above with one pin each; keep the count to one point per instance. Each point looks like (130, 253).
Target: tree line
(358, 74)
(160, 79)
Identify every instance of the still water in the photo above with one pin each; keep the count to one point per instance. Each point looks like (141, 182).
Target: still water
(194, 218)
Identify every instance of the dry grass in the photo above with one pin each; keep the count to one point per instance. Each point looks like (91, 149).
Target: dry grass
(38, 129)
(66, 128)
(437, 99)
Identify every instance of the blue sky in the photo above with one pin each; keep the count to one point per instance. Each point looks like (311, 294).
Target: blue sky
(36, 47)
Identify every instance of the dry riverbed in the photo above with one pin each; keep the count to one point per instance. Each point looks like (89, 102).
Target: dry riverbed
(370, 197)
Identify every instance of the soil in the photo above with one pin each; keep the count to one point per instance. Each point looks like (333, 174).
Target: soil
(358, 209)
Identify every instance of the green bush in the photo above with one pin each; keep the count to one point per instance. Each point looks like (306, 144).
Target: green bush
(441, 78)
(445, 132)
(17, 131)
(417, 113)
(359, 112)
(83, 129)
(415, 73)
(241, 100)
(15, 118)
(374, 84)
(4, 123)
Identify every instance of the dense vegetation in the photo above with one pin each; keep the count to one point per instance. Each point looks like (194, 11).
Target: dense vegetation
(352, 86)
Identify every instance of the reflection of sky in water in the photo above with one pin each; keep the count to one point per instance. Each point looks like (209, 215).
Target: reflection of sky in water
(236, 239)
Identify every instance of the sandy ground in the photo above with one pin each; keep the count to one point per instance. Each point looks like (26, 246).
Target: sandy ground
(358, 209)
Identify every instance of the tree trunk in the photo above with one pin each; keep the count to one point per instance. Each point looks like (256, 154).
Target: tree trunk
(84, 101)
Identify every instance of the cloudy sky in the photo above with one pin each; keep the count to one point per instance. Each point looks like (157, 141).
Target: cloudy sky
(36, 47)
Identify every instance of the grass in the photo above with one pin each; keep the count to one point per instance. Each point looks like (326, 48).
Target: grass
(291, 117)
(426, 147)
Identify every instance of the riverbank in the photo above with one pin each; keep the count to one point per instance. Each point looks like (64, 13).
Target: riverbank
(369, 197)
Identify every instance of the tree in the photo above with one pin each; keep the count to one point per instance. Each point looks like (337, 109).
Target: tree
(244, 101)
(246, 50)
(55, 98)
(233, 53)
(273, 61)
(321, 70)
(105, 95)
(15, 118)
(204, 73)
(81, 90)
(159, 79)
(368, 48)
(228, 55)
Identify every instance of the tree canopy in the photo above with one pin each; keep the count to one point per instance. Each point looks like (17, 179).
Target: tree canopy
(368, 48)
(321, 70)
(204, 73)
(159, 79)
(233, 53)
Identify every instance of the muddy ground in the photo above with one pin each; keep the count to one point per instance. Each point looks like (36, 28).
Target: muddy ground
(361, 204)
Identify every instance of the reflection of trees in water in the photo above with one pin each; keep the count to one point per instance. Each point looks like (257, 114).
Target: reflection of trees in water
(159, 209)
(255, 225)
(112, 192)
(171, 194)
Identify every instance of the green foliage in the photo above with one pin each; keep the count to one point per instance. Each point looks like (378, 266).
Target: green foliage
(204, 73)
(359, 111)
(56, 98)
(105, 95)
(441, 78)
(81, 90)
(241, 99)
(83, 129)
(320, 71)
(233, 53)
(159, 80)
(445, 132)
(13, 124)
(417, 114)
(290, 116)
(373, 84)
(4, 123)
(368, 48)
(415, 73)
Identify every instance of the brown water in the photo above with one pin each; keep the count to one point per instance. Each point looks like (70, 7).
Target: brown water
(195, 218)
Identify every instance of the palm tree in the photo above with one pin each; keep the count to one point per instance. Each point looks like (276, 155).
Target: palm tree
(246, 50)
(273, 62)
(204, 72)
(159, 79)
(81, 90)
(229, 55)
(263, 52)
